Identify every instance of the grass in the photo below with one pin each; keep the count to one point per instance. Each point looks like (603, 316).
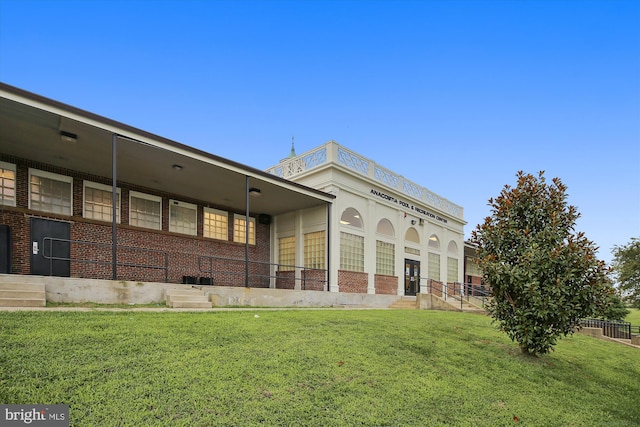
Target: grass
(311, 368)
(633, 317)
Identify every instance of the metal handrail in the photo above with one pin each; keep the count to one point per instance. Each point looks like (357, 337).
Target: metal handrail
(206, 266)
(459, 292)
(50, 257)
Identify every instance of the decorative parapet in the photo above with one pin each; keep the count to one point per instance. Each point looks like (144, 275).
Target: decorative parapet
(332, 152)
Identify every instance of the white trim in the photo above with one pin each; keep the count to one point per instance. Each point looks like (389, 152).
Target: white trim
(103, 187)
(145, 196)
(215, 212)
(13, 168)
(242, 218)
(184, 205)
(54, 177)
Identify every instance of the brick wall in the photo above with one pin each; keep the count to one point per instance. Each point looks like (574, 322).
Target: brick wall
(353, 281)
(285, 280)
(386, 284)
(182, 252)
(314, 280)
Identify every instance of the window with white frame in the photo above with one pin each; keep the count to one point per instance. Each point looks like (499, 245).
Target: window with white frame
(351, 252)
(50, 192)
(240, 229)
(145, 210)
(216, 224)
(98, 202)
(183, 217)
(314, 249)
(286, 253)
(385, 258)
(7, 184)
(434, 266)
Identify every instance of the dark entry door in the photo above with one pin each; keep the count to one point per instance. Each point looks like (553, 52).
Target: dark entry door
(50, 248)
(411, 277)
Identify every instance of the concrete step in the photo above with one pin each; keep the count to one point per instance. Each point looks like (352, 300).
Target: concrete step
(22, 295)
(191, 304)
(187, 298)
(19, 293)
(405, 303)
(21, 287)
(22, 302)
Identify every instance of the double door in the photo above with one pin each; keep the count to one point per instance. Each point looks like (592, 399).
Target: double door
(411, 277)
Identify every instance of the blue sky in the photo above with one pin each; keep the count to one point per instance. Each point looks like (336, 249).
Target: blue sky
(456, 96)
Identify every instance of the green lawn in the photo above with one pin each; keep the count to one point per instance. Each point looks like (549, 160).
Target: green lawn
(633, 317)
(311, 368)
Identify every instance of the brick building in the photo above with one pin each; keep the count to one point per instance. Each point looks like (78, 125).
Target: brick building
(327, 220)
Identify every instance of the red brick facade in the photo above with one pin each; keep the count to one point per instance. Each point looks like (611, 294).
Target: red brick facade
(386, 284)
(353, 281)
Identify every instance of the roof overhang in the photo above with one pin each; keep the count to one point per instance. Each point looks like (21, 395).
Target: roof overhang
(31, 126)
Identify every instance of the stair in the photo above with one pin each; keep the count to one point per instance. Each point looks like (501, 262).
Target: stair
(187, 298)
(22, 295)
(466, 307)
(405, 303)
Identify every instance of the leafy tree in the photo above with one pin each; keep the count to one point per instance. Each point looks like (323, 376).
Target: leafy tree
(626, 267)
(544, 277)
(616, 309)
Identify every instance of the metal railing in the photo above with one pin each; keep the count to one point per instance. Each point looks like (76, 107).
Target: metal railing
(231, 272)
(102, 255)
(475, 295)
(610, 328)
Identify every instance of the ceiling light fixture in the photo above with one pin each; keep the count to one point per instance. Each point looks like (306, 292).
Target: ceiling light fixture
(69, 137)
(255, 192)
(177, 167)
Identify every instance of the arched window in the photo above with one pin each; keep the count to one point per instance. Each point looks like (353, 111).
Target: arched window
(351, 217)
(412, 235)
(453, 248)
(385, 248)
(434, 242)
(385, 228)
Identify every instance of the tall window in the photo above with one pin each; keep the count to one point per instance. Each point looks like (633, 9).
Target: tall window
(216, 224)
(351, 252)
(434, 266)
(98, 202)
(240, 229)
(183, 217)
(145, 210)
(385, 258)
(434, 259)
(314, 249)
(50, 192)
(452, 262)
(287, 253)
(385, 250)
(7, 184)
(452, 269)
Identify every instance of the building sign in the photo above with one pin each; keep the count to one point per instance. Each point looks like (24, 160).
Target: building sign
(408, 206)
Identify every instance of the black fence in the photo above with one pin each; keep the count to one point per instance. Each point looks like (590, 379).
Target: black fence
(610, 328)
